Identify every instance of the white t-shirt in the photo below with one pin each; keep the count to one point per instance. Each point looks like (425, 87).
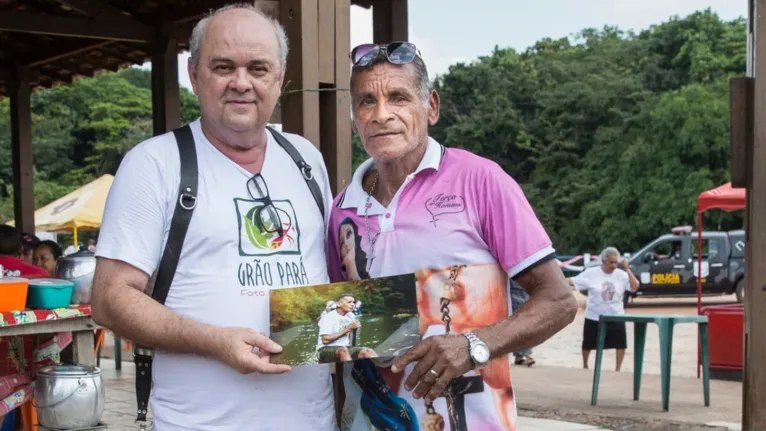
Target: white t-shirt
(605, 291)
(332, 323)
(227, 267)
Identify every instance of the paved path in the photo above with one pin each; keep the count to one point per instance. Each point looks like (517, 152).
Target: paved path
(536, 424)
(543, 392)
(558, 383)
(120, 405)
(564, 393)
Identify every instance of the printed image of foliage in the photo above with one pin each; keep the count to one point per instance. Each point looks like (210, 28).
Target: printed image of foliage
(381, 296)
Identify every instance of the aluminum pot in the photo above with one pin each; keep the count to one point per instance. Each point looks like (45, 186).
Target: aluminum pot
(69, 396)
(79, 269)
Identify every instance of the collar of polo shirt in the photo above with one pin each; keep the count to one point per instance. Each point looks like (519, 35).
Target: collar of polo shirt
(355, 196)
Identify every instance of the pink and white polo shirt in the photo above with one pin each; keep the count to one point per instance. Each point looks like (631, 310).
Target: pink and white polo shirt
(460, 217)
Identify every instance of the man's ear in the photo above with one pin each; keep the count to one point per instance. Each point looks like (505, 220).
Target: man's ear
(433, 108)
(192, 75)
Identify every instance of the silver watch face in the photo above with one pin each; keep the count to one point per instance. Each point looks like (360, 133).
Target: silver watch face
(480, 353)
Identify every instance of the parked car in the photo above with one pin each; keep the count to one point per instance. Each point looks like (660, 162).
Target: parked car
(667, 266)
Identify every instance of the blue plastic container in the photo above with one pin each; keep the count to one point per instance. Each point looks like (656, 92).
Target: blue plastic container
(49, 293)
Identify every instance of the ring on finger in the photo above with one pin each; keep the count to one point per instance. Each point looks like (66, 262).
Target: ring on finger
(429, 379)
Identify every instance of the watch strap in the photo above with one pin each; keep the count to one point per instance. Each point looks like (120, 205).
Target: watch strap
(472, 338)
(472, 341)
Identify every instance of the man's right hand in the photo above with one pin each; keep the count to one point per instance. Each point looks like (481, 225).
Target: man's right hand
(355, 325)
(235, 348)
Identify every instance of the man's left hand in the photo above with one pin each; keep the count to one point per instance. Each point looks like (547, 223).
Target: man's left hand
(448, 357)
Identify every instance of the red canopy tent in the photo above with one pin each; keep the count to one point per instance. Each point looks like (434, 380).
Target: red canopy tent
(725, 351)
(723, 197)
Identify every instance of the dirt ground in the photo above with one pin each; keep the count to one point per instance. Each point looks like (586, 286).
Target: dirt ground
(618, 412)
(619, 423)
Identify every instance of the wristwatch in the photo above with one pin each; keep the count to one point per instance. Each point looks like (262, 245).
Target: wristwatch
(478, 350)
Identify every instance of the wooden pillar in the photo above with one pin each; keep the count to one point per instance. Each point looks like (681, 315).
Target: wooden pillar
(20, 93)
(271, 9)
(389, 21)
(754, 385)
(300, 96)
(166, 104)
(335, 100)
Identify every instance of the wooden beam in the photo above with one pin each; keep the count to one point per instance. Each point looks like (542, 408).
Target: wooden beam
(9, 73)
(390, 21)
(741, 130)
(365, 3)
(74, 324)
(335, 106)
(166, 105)
(83, 348)
(196, 11)
(754, 395)
(327, 43)
(269, 7)
(63, 50)
(98, 8)
(200, 9)
(20, 93)
(300, 98)
(76, 67)
(100, 28)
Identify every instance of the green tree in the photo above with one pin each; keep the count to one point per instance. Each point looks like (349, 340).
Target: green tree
(82, 131)
(611, 134)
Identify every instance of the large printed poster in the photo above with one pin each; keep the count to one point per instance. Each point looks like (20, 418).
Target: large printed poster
(392, 314)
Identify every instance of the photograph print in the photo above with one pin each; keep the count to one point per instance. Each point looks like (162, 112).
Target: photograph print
(346, 321)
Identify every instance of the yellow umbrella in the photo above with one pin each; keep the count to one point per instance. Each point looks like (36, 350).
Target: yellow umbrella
(81, 209)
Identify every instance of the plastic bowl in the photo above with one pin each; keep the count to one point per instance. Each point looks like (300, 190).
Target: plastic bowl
(49, 293)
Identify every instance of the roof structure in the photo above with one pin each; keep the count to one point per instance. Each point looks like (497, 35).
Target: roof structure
(57, 41)
(44, 43)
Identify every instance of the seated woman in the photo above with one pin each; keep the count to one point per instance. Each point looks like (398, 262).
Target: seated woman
(46, 255)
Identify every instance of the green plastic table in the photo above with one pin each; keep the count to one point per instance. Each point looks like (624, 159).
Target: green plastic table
(665, 323)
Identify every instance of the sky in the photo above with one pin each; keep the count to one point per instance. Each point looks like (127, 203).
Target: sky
(451, 31)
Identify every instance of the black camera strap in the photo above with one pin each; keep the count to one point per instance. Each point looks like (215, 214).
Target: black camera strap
(187, 200)
(182, 214)
(304, 167)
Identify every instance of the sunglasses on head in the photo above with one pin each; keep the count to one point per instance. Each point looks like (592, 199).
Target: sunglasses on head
(395, 52)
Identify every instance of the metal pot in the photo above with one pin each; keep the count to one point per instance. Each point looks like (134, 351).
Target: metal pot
(79, 269)
(69, 397)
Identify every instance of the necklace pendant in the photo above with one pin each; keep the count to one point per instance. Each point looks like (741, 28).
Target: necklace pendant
(432, 422)
(448, 289)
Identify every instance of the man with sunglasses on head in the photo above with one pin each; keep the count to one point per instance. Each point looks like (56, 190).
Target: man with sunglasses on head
(257, 224)
(465, 228)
